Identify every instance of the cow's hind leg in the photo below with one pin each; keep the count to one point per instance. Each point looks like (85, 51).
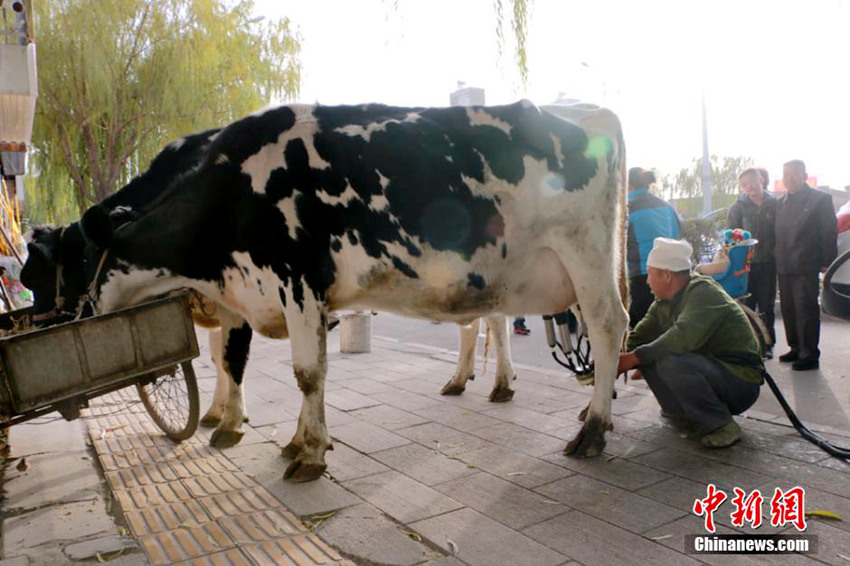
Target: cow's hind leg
(236, 336)
(606, 319)
(309, 359)
(466, 359)
(498, 333)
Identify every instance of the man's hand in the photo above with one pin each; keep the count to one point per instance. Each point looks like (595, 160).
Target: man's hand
(626, 362)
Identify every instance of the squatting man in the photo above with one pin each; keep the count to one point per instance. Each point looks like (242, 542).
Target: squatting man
(695, 348)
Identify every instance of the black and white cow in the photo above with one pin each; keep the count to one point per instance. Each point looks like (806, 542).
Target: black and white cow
(54, 271)
(440, 213)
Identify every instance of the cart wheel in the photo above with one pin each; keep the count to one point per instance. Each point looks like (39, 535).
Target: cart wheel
(172, 401)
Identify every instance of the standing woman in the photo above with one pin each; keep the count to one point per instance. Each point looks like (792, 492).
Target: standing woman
(649, 217)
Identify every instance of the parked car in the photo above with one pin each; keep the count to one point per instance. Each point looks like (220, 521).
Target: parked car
(836, 292)
(842, 277)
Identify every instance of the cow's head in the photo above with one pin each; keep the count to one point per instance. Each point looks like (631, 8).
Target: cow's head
(114, 278)
(54, 272)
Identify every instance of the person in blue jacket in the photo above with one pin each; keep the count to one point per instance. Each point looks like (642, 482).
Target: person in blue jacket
(649, 217)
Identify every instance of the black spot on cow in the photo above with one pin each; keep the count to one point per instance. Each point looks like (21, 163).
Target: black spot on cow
(336, 245)
(236, 351)
(352, 239)
(404, 268)
(476, 281)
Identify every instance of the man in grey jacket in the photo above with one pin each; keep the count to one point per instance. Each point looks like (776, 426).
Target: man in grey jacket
(755, 212)
(806, 233)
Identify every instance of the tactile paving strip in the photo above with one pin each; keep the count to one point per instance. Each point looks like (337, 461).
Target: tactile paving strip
(187, 503)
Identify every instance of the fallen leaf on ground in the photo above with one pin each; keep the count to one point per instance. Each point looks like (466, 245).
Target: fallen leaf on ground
(414, 535)
(103, 558)
(23, 465)
(824, 515)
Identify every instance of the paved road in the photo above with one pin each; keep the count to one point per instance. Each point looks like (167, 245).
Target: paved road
(821, 397)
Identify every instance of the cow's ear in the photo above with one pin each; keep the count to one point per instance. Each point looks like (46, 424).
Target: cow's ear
(97, 227)
(38, 233)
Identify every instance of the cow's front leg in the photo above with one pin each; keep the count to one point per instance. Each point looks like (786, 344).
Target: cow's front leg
(212, 418)
(498, 333)
(236, 338)
(307, 333)
(466, 359)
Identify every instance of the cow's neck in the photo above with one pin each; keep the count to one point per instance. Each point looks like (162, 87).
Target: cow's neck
(130, 286)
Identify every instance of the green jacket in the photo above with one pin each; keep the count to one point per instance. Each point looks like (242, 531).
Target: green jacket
(700, 319)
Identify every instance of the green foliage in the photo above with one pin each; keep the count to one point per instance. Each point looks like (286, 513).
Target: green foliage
(685, 188)
(703, 235)
(119, 79)
(519, 12)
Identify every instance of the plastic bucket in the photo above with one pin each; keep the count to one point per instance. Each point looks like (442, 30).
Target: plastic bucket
(355, 333)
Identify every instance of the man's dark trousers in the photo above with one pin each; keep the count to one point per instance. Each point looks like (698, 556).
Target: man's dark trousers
(798, 297)
(762, 290)
(641, 299)
(700, 389)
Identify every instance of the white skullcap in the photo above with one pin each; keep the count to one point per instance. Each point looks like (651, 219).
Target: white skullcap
(673, 255)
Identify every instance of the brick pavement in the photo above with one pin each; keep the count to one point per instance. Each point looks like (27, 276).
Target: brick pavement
(483, 483)
(420, 479)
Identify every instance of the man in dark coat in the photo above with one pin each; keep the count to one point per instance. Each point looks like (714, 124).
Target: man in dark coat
(755, 211)
(806, 243)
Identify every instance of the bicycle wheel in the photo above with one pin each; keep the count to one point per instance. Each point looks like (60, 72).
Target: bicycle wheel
(171, 400)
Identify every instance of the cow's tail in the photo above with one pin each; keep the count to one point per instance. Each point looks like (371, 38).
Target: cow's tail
(487, 334)
(622, 188)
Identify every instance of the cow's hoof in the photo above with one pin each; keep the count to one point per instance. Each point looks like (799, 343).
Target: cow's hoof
(298, 472)
(291, 451)
(501, 395)
(582, 416)
(226, 438)
(210, 421)
(590, 440)
(452, 389)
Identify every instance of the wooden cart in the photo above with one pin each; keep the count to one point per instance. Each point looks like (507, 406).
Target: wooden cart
(60, 368)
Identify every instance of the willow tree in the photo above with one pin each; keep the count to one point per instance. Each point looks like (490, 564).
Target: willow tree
(119, 79)
(518, 13)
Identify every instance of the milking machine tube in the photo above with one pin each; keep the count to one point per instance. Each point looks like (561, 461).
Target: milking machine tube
(831, 449)
(577, 359)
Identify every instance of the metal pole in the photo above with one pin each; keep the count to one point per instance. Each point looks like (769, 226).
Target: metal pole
(706, 164)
